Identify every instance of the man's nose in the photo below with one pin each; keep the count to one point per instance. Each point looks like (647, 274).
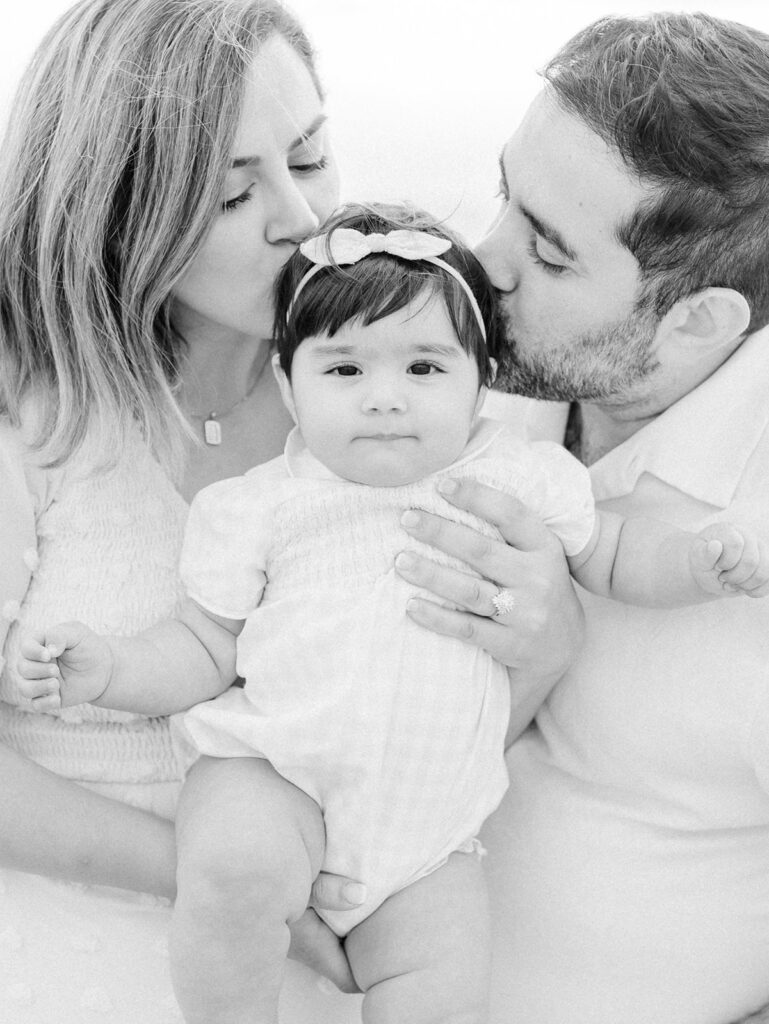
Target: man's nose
(497, 255)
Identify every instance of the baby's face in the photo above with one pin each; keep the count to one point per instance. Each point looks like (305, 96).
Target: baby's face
(386, 404)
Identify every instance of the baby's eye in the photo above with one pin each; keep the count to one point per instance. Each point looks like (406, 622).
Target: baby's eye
(424, 369)
(346, 370)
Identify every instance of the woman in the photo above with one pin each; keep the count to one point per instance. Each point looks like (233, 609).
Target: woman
(164, 159)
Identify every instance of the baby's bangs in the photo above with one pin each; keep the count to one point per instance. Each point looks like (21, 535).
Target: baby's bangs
(365, 292)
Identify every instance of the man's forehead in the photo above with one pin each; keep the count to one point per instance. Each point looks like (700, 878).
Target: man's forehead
(564, 173)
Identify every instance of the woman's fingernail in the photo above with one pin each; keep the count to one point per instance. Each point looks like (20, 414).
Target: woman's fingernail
(411, 518)
(355, 892)
(448, 486)
(405, 561)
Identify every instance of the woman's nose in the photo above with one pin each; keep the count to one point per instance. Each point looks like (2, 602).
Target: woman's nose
(497, 255)
(292, 218)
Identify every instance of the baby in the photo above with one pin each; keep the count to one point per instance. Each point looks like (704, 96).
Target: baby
(360, 743)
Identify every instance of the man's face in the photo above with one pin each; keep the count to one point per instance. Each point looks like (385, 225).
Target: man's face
(569, 290)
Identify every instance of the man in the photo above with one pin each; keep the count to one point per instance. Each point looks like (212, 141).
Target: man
(630, 860)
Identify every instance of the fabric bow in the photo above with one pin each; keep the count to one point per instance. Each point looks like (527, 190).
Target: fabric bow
(346, 245)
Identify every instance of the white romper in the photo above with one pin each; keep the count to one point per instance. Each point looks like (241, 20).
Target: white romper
(395, 731)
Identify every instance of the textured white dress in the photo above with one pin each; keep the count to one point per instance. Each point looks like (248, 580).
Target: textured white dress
(395, 731)
(103, 549)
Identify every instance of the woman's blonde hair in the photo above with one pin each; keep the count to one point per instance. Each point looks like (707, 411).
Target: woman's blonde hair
(111, 171)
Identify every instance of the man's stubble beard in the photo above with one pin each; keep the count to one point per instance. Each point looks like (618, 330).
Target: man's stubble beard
(600, 366)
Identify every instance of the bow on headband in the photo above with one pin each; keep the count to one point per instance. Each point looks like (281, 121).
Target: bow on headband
(344, 246)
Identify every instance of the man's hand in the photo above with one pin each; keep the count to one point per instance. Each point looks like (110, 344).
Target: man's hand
(541, 635)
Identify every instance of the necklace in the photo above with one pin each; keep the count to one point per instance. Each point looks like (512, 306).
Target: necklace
(212, 426)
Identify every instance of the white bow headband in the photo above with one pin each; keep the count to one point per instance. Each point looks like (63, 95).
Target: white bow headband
(344, 246)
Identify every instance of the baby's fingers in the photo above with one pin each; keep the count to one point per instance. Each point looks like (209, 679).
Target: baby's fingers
(43, 646)
(40, 684)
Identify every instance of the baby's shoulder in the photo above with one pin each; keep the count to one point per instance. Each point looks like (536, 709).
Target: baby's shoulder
(536, 472)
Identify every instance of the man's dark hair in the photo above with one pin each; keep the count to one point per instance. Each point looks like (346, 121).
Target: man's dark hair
(684, 99)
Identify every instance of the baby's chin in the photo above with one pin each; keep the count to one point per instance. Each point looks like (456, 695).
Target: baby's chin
(395, 472)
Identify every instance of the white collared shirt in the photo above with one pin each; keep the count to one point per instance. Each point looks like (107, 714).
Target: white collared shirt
(630, 860)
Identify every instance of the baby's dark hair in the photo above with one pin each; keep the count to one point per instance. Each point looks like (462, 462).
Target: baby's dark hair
(381, 284)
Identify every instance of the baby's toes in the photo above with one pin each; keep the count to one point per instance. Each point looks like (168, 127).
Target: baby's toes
(745, 567)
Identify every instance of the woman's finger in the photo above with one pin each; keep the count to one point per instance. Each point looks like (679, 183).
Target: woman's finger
(335, 892)
(470, 592)
(493, 559)
(494, 637)
(518, 525)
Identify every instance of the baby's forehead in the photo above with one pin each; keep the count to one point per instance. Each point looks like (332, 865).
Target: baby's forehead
(426, 329)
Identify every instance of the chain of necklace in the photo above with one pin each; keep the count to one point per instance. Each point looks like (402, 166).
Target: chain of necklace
(212, 425)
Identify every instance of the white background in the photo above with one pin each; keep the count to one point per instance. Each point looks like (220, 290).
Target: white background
(422, 93)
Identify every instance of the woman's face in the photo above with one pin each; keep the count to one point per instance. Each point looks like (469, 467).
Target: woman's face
(281, 184)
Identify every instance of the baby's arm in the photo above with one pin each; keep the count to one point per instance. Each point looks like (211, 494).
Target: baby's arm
(646, 562)
(161, 671)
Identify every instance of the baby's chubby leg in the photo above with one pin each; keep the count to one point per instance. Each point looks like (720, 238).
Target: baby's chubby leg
(423, 957)
(249, 846)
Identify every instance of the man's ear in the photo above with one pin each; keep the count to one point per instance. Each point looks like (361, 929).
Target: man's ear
(286, 391)
(712, 320)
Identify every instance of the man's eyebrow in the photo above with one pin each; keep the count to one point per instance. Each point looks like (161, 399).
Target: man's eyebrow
(313, 129)
(549, 233)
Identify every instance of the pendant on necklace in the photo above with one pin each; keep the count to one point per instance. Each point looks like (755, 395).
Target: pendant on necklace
(212, 430)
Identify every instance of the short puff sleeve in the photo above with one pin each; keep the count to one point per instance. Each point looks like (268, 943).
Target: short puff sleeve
(559, 491)
(226, 542)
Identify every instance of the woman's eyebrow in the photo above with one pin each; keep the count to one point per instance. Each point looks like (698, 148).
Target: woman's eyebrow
(313, 129)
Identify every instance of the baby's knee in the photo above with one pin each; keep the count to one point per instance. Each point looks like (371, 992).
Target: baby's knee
(250, 878)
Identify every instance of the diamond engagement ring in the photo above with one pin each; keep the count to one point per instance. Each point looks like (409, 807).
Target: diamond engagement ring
(503, 601)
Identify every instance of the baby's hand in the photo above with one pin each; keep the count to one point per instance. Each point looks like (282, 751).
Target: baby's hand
(725, 558)
(65, 665)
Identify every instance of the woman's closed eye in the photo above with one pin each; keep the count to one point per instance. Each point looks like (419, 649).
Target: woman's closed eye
(236, 201)
(309, 166)
(303, 169)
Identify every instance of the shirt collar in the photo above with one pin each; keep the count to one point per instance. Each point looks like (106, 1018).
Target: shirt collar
(300, 462)
(701, 444)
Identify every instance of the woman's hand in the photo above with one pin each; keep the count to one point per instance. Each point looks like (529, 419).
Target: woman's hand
(540, 636)
(312, 941)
